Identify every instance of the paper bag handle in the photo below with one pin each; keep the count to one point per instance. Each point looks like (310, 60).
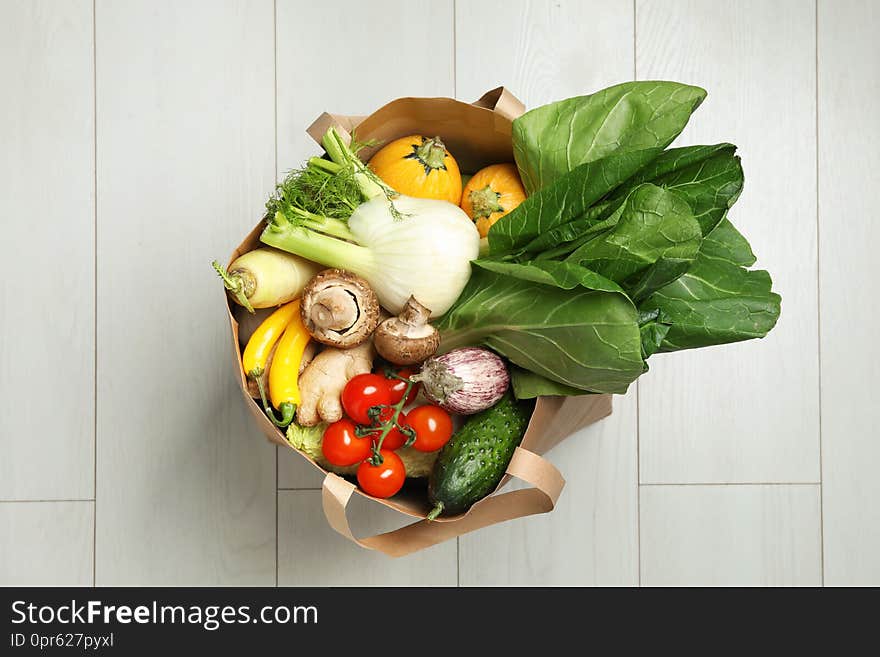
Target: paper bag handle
(547, 484)
(502, 102)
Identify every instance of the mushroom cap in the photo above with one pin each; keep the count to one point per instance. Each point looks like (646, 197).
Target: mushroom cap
(407, 339)
(339, 308)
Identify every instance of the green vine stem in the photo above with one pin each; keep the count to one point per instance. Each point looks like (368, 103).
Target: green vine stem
(391, 423)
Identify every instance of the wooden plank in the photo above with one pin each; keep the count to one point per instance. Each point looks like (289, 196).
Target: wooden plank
(546, 51)
(340, 57)
(591, 538)
(849, 142)
(746, 412)
(186, 484)
(46, 543)
(730, 535)
(47, 346)
(310, 553)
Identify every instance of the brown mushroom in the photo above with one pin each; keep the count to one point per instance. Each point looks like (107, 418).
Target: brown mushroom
(339, 308)
(407, 339)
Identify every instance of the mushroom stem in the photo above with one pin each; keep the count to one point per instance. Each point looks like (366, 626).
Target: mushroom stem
(414, 314)
(409, 338)
(339, 308)
(334, 308)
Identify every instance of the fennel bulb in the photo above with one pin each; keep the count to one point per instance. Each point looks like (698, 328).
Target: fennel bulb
(419, 247)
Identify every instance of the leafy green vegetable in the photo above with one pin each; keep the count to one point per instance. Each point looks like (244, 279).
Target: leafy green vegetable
(553, 243)
(566, 199)
(566, 275)
(621, 250)
(528, 385)
(655, 225)
(678, 159)
(709, 178)
(727, 243)
(579, 232)
(654, 326)
(658, 275)
(552, 140)
(582, 338)
(718, 300)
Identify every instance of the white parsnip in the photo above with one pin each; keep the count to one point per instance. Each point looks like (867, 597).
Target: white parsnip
(266, 277)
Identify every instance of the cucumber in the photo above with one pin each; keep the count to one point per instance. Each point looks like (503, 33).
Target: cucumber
(474, 460)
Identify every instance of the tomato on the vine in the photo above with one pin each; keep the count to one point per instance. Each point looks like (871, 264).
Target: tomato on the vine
(382, 480)
(342, 446)
(398, 387)
(362, 393)
(395, 438)
(433, 427)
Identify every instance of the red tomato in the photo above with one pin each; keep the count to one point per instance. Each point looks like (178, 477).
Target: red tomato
(362, 393)
(382, 480)
(398, 387)
(433, 427)
(395, 439)
(342, 446)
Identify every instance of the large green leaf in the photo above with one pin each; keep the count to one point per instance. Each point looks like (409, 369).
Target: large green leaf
(658, 275)
(596, 219)
(581, 338)
(570, 197)
(651, 244)
(654, 326)
(566, 275)
(709, 178)
(718, 300)
(554, 139)
(677, 159)
(728, 244)
(528, 385)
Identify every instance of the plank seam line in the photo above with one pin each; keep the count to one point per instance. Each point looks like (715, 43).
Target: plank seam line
(819, 306)
(95, 317)
(454, 49)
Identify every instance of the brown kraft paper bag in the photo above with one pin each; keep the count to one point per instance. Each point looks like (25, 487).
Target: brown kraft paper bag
(478, 134)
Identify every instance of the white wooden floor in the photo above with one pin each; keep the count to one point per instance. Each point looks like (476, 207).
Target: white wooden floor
(138, 141)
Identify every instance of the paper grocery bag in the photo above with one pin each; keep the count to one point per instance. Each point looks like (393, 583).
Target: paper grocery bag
(478, 134)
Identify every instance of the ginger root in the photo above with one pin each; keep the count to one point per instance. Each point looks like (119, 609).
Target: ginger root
(322, 382)
(308, 356)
